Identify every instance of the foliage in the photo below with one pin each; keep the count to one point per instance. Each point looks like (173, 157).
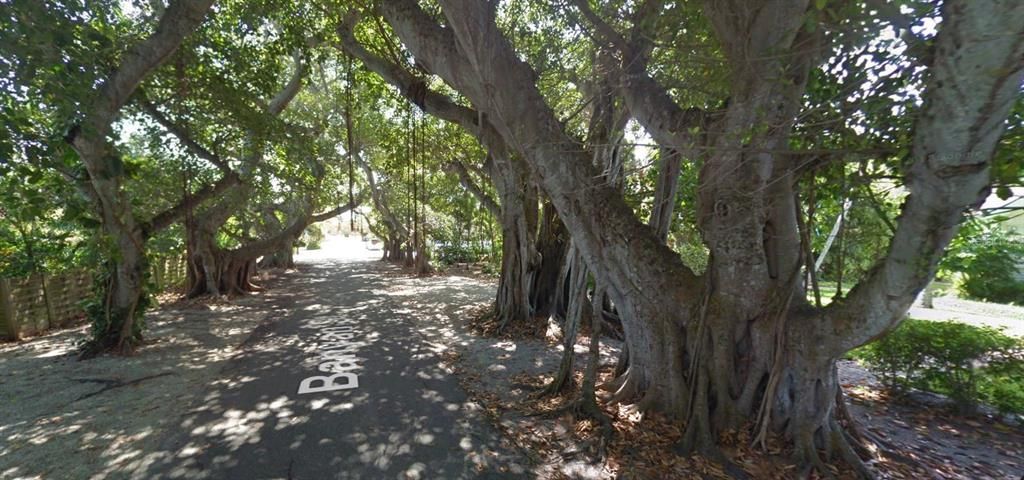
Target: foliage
(38, 231)
(103, 321)
(449, 254)
(989, 261)
(313, 237)
(969, 364)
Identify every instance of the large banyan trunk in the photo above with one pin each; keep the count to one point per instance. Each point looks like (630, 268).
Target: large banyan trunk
(551, 246)
(392, 247)
(518, 216)
(283, 258)
(423, 266)
(394, 250)
(513, 298)
(123, 294)
(516, 210)
(218, 272)
(741, 343)
(122, 299)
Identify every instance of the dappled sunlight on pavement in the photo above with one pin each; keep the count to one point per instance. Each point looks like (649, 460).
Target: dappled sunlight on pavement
(215, 392)
(407, 418)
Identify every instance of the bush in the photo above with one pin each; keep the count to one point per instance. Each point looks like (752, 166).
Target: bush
(988, 262)
(969, 364)
(458, 253)
(312, 237)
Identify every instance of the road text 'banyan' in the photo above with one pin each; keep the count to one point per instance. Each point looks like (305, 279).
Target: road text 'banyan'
(336, 349)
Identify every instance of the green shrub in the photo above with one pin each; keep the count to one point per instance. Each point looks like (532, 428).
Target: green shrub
(313, 237)
(1006, 393)
(988, 262)
(452, 254)
(965, 362)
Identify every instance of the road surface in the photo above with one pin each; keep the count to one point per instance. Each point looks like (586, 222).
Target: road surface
(391, 411)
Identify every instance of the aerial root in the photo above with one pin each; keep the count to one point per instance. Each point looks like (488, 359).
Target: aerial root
(697, 440)
(614, 384)
(563, 379)
(628, 389)
(841, 444)
(587, 408)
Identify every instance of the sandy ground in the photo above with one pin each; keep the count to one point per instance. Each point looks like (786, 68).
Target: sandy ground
(58, 421)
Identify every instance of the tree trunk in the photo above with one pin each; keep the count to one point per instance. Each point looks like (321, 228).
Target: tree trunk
(552, 244)
(283, 258)
(741, 343)
(578, 309)
(128, 298)
(512, 304)
(519, 258)
(229, 272)
(423, 266)
(123, 295)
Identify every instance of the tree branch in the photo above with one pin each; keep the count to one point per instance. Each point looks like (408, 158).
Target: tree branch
(467, 181)
(474, 56)
(276, 242)
(290, 90)
(183, 136)
(166, 218)
(979, 49)
(379, 201)
(649, 103)
(319, 217)
(180, 19)
(416, 91)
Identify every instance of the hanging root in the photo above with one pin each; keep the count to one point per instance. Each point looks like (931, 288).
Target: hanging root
(628, 388)
(841, 445)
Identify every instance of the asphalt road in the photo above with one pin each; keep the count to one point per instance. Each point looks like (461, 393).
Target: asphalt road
(407, 418)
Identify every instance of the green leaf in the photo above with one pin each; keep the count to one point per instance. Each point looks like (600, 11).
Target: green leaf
(1003, 192)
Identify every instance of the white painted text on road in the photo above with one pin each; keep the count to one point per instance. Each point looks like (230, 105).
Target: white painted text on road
(336, 355)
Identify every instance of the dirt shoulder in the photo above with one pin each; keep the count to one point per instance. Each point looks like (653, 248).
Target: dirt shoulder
(503, 375)
(102, 418)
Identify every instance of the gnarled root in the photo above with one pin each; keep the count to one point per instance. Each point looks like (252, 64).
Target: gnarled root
(628, 388)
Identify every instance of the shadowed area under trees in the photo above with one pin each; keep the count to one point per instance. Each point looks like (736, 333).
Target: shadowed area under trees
(685, 178)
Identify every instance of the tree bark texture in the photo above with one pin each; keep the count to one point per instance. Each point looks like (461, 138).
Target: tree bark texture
(740, 343)
(124, 293)
(215, 270)
(516, 207)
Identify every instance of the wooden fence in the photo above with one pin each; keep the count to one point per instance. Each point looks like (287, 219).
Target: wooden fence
(32, 305)
(169, 272)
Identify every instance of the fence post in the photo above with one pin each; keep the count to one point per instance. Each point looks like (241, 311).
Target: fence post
(7, 310)
(158, 277)
(47, 302)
